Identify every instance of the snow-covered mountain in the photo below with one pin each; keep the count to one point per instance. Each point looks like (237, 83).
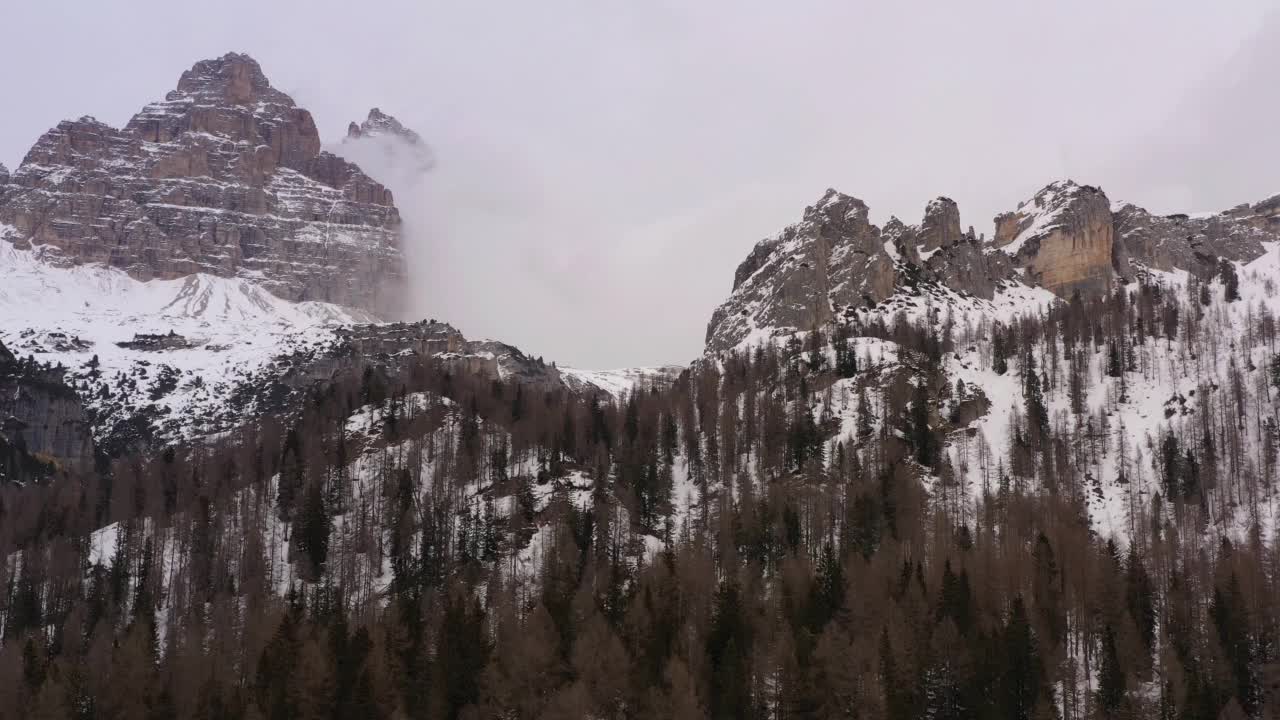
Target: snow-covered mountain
(226, 177)
(1069, 247)
(1068, 238)
(180, 269)
(175, 352)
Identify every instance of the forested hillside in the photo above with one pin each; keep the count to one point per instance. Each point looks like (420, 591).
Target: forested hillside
(934, 512)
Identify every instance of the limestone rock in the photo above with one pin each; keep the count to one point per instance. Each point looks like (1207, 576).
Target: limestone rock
(41, 416)
(800, 277)
(1195, 243)
(947, 256)
(1063, 237)
(834, 262)
(966, 267)
(224, 176)
(941, 225)
(1068, 238)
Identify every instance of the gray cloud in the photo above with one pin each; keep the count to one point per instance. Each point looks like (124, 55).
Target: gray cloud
(603, 166)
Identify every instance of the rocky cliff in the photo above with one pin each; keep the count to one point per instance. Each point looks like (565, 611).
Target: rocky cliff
(43, 427)
(1195, 243)
(1072, 237)
(224, 176)
(1067, 238)
(1063, 237)
(835, 262)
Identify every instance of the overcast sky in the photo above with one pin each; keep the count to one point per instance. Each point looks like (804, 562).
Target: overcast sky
(604, 165)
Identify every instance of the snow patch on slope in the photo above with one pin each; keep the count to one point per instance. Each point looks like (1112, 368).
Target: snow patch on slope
(211, 332)
(621, 383)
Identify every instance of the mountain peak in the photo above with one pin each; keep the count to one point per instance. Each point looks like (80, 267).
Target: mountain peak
(225, 176)
(380, 123)
(1064, 236)
(234, 77)
(388, 145)
(834, 203)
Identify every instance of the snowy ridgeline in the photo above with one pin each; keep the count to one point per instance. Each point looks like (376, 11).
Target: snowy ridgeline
(181, 345)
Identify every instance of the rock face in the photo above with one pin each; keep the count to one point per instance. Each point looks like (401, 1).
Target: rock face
(941, 225)
(945, 255)
(1063, 237)
(224, 176)
(1195, 243)
(1071, 237)
(793, 280)
(835, 261)
(1068, 238)
(392, 342)
(41, 416)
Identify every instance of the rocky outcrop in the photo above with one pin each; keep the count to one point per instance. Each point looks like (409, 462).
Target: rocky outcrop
(947, 256)
(1195, 243)
(1068, 238)
(941, 225)
(1063, 237)
(799, 278)
(224, 176)
(4, 174)
(835, 262)
(380, 123)
(41, 417)
(383, 145)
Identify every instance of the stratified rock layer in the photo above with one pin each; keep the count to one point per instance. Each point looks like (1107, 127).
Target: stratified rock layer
(225, 176)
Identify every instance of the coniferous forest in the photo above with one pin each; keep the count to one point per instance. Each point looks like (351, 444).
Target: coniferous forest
(815, 528)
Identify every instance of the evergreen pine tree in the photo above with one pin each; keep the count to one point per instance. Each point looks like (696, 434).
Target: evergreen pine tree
(1111, 678)
(313, 529)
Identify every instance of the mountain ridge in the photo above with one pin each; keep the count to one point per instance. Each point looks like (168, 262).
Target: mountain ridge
(1068, 238)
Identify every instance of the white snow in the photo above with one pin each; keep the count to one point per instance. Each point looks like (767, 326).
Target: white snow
(622, 382)
(234, 328)
(102, 544)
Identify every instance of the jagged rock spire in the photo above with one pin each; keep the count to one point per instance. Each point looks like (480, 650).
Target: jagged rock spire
(380, 123)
